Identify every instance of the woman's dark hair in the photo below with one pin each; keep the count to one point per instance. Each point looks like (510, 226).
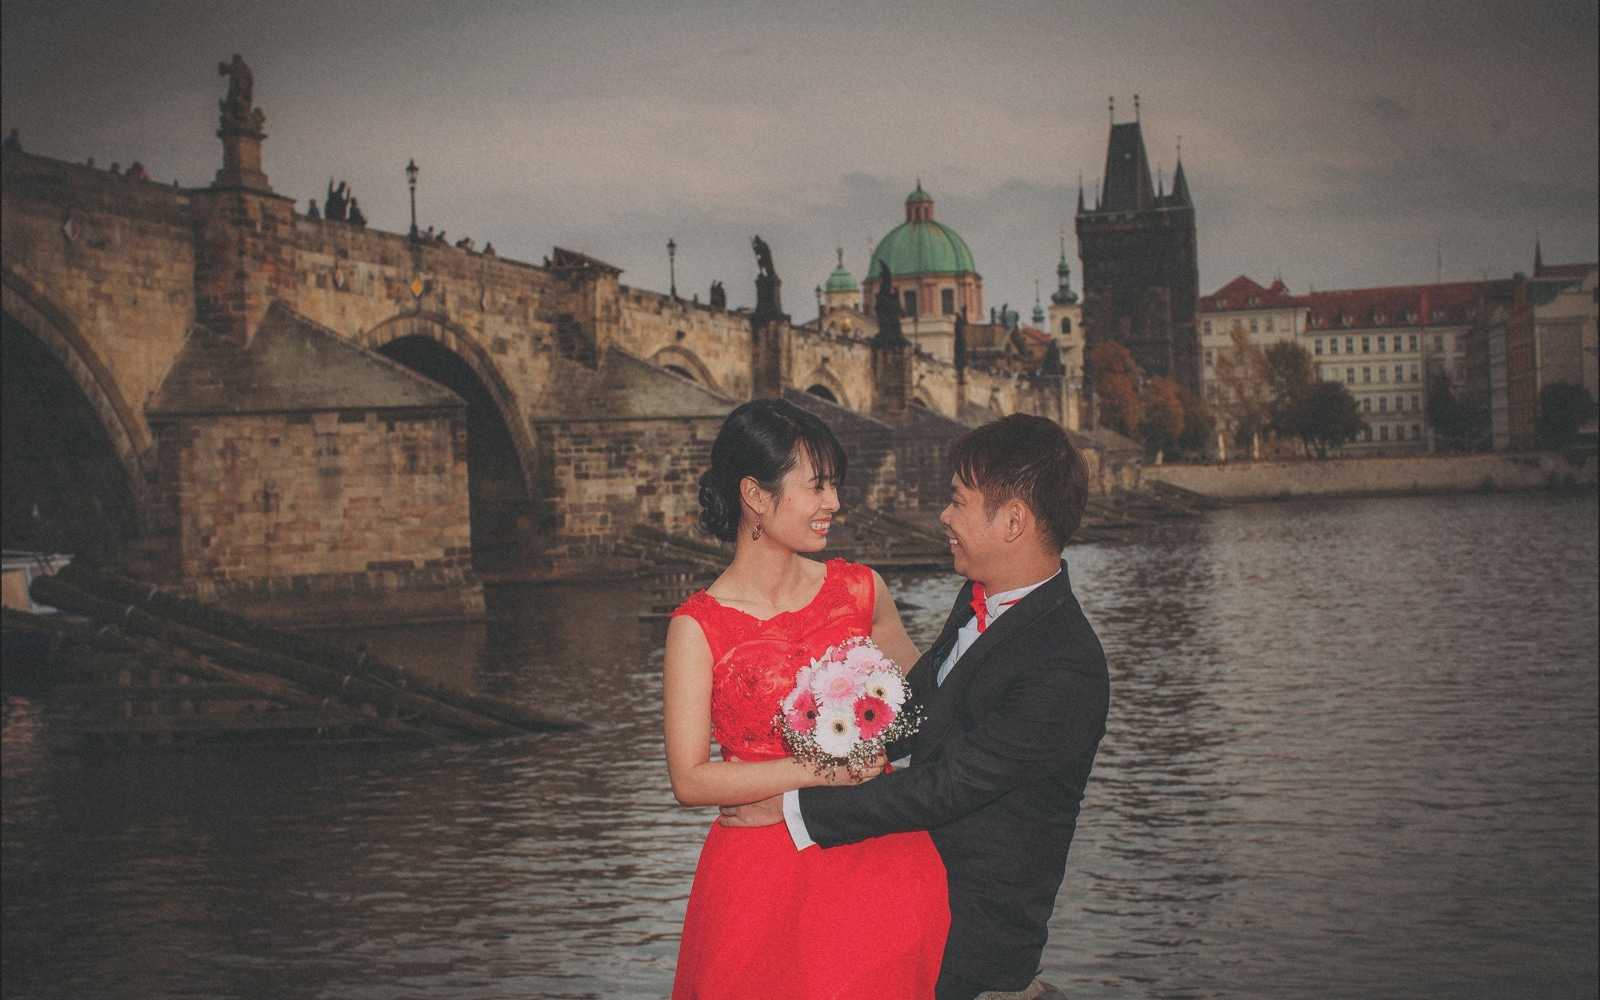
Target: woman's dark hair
(1027, 458)
(762, 439)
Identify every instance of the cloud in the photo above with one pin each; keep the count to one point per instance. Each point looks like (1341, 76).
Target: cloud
(1387, 108)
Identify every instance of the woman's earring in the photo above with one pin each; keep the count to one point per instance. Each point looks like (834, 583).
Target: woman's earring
(755, 533)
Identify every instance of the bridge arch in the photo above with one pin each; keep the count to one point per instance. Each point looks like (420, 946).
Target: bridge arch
(824, 384)
(686, 363)
(459, 343)
(501, 497)
(71, 439)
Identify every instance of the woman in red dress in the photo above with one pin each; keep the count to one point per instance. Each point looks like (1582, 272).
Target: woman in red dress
(766, 920)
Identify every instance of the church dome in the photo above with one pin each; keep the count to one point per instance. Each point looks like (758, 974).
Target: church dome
(841, 280)
(920, 245)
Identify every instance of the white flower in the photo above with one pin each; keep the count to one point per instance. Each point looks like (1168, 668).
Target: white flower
(803, 677)
(887, 686)
(836, 729)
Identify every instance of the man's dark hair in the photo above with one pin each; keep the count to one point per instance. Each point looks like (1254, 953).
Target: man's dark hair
(1027, 458)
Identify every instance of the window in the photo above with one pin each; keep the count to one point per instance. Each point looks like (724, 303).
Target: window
(1383, 404)
(1413, 341)
(1416, 430)
(1269, 324)
(1066, 324)
(1383, 373)
(1399, 404)
(1366, 433)
(1413, 373)
(1383, 433)
(1350, 376)
(1318, 342)
(1333, 345)
(1208, 328)
(1366, 345)
(1366, 376)
(1438, 343)
(1349, 345)
(1252, 324)
(947, 301)
(1381, 342)
(1208, 357)
(1366, 404)
(1416, 403)
(911, 302)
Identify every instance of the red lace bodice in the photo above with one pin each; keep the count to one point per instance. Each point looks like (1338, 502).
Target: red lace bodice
(754, 662)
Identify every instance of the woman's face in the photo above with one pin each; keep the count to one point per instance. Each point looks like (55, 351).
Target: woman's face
(799, 514)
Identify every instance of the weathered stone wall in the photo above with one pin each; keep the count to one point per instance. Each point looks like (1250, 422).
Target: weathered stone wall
(711, 345)
(1373, 476)
(601, 478)
(841, 364)
(322, 517)
(107, 263)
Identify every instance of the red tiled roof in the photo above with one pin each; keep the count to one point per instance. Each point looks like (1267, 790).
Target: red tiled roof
(1565, 270)
(1453, 303)
(1242, 293)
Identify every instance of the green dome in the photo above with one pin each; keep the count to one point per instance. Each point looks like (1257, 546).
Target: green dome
(841, 280)
(919, 194)
(924, 247)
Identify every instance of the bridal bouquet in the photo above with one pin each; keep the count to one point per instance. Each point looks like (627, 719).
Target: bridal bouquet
(846, 707)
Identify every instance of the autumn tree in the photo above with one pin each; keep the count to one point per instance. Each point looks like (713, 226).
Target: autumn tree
(1290, 380)
(1199, 424)
(1242, 393)
(1161, 416)
(1114, 374)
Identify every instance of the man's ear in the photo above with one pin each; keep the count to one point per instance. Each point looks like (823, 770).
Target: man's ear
(1016, 518)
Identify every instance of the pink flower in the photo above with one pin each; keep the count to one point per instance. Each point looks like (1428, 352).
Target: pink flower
(837, 683)
(863, 659)
(872, 716)
(800, 710)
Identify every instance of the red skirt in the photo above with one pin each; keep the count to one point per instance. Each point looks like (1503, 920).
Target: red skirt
(865, 921)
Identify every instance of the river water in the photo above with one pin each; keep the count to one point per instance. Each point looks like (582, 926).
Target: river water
(1352, 752)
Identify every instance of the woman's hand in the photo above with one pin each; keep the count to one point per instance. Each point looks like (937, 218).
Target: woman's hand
(842, 775)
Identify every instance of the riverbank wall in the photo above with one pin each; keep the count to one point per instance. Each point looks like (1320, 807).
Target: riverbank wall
(1266, 480)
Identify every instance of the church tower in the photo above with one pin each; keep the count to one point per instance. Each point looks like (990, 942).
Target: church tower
(1141, 276)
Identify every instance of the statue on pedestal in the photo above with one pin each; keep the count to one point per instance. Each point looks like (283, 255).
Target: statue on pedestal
(886, 307)
(767, 281)
(238, 109)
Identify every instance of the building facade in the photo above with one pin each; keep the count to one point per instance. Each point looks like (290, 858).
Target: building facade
(933, 276)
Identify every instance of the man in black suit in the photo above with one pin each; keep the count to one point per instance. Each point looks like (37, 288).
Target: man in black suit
(1014, 694)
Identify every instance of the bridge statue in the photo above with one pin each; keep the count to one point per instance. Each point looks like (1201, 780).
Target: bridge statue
(238, 110)
(768, 284)
(887, 308)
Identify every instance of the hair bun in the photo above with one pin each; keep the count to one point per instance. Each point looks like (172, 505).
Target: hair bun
(715, 517)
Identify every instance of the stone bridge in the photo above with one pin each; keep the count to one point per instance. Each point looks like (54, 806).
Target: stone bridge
(201, 384)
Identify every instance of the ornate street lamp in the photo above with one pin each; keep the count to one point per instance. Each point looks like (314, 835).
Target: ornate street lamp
(411, 180)
(672, 265)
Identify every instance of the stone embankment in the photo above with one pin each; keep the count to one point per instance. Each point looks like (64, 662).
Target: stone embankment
(1268, 480)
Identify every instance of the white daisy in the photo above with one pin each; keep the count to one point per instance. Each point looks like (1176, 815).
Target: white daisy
(836, 730)
(886, 686)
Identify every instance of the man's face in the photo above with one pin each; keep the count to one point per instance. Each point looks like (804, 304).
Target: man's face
(977, 540)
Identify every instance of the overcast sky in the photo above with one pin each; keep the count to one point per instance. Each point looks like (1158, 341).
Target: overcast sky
(1336, 144)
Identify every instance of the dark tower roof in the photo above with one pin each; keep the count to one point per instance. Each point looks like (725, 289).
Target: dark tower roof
(1180, 187)
(1127, 185)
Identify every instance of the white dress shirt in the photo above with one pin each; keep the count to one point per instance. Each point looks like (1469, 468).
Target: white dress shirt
(997, 605)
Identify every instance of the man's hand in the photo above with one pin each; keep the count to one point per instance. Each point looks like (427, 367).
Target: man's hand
(767, 812)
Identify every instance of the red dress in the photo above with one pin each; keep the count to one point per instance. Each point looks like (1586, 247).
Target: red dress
(766, 921)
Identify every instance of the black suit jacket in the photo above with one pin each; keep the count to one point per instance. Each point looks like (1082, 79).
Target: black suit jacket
(996, 777)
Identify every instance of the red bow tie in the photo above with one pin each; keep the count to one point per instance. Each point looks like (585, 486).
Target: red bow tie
(980, 605)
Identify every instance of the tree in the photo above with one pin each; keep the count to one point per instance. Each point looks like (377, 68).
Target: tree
(1328, 417)
(1461, 423)
(1563, 408)
(1161, 416)
(1114, 372)
(1242, 393)
(1290, 379)
(1199, 424)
